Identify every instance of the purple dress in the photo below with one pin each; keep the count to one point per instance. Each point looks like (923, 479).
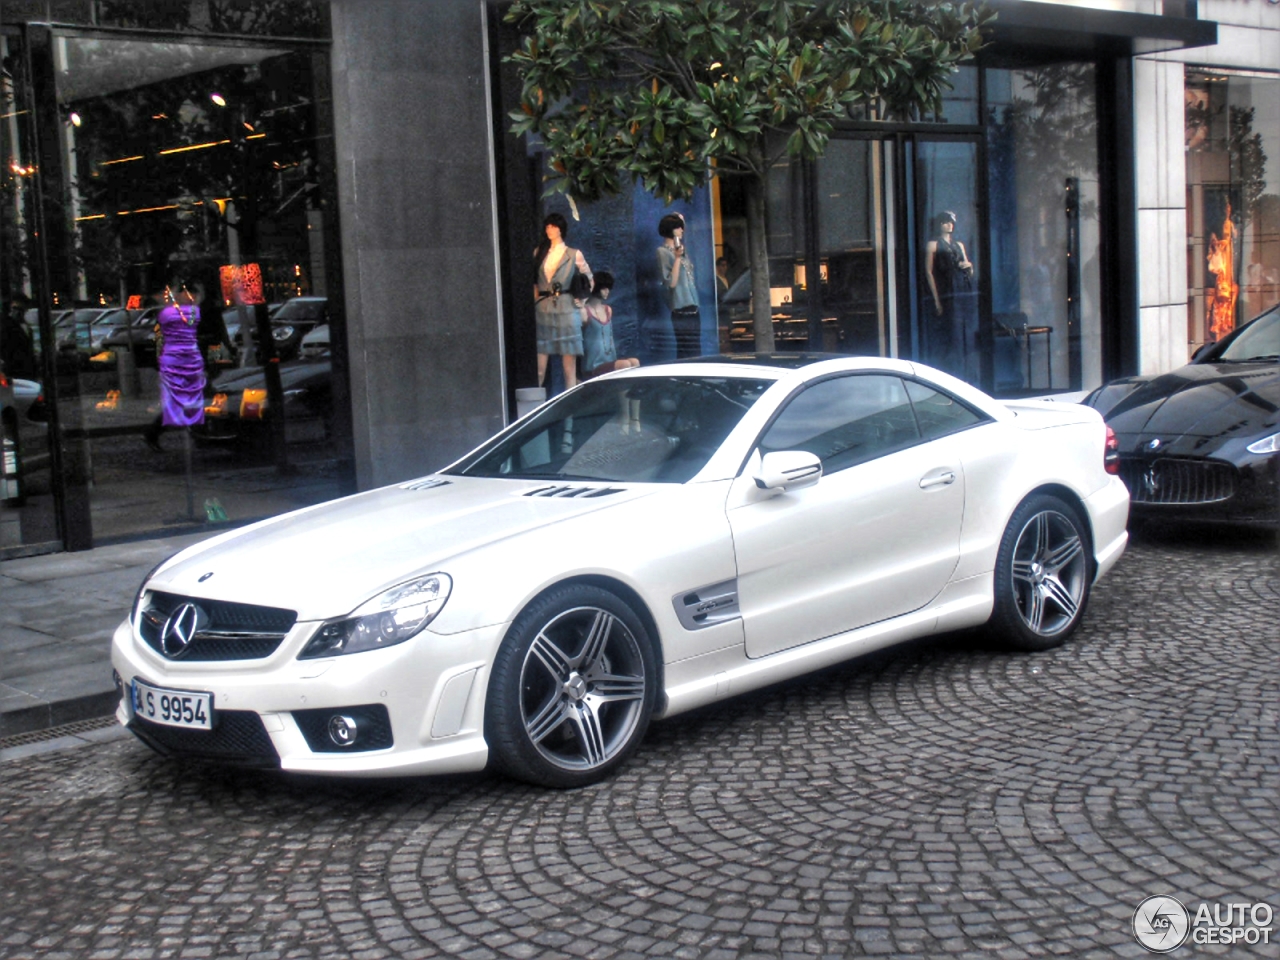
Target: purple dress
(181, 367)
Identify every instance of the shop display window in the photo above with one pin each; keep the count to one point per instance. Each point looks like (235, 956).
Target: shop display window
(1233, 200)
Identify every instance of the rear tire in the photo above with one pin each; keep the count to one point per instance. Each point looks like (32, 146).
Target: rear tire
(572, 689)
(1044, 569)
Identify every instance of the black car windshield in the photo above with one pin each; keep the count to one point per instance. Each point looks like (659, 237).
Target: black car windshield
(637, 429)
(1258, 341)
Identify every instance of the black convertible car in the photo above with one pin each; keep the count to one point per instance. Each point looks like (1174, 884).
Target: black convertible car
(1203, 442)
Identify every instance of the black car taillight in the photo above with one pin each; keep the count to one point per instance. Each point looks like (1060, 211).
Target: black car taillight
(1111, 459)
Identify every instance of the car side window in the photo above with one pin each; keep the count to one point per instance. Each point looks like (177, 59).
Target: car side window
(846, 421)
(938, 413)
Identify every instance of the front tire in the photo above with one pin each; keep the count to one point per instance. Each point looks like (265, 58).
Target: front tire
(572, 689)
(1043, 573)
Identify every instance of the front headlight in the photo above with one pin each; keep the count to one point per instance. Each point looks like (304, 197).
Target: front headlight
(391, 617)
(1269, 444)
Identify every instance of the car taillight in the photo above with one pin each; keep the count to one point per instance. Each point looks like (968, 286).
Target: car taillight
(1111, 459)
(5, 381)
(252, 404)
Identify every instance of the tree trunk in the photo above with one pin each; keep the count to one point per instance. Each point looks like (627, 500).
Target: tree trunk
(758, 256)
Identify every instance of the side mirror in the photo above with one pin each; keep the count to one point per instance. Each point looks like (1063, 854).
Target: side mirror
(788, 470)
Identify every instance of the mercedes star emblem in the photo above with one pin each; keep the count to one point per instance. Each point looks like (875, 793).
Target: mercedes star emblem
(181, 628)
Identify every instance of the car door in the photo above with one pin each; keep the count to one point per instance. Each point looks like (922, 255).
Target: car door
(878, 536)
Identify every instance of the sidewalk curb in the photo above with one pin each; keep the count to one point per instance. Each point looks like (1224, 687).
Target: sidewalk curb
(42, 716)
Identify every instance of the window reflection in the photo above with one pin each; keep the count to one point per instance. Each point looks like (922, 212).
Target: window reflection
(193, 178)
(1042, 159)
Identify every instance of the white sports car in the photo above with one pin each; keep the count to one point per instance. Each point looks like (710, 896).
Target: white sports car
(648, 542)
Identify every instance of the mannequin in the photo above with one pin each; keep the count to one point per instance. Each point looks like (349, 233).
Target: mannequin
(597, 331)
(558, 312)
(949, 274)
(182, 379)
(678, 286)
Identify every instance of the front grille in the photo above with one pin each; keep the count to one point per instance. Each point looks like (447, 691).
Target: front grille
(373, 728)
(234, 631)
(1172, 481)
(237, 735)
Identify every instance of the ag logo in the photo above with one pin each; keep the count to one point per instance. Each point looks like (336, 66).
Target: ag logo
(1161, 924)
(181, 628)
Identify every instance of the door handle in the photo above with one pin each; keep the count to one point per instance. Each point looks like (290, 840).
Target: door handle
(938, 480)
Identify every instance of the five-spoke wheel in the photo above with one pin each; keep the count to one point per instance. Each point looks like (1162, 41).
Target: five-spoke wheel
(572, 689)
(1042, 574)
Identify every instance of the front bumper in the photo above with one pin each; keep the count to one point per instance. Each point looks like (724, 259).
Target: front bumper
(432, 688)
(1246, 491)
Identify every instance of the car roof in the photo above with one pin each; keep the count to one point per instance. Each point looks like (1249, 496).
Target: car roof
(789, 361)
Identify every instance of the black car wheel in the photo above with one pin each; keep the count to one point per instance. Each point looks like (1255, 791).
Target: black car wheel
(572, 689)
(1043, 573)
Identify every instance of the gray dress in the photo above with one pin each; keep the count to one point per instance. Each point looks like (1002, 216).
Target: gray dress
(559, 321)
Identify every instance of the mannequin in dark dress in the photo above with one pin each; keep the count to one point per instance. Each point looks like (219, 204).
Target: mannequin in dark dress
(949, 274)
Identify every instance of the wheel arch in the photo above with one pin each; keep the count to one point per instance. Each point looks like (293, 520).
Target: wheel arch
(633, 599)
(1069, 496)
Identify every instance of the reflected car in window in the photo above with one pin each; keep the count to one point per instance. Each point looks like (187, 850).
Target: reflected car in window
(648, 542)
(1203, 443)
(23, 435)
(137, 334)
(239, 412)
(290, 322)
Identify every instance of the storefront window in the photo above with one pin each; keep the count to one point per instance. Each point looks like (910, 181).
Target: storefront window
(1233, 200)
(188, 236)
(28, 515)
(1042, 163)
(855, 261)
(192, 176)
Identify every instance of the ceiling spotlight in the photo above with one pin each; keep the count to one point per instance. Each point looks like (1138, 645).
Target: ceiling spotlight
(218, 99)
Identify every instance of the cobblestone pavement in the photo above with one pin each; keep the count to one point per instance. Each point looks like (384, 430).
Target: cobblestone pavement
(942, 799)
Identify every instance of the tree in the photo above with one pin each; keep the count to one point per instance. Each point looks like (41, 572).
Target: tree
(670, 92)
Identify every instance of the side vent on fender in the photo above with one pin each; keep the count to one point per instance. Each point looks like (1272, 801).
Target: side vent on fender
(707, 606)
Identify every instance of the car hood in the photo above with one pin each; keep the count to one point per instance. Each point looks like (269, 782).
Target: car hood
(1194, 409)
(325, 561)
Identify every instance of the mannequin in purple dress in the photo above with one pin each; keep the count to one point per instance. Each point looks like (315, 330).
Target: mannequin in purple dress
(181, 366)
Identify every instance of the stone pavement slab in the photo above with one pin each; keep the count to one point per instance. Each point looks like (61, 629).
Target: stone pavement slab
(941, 799)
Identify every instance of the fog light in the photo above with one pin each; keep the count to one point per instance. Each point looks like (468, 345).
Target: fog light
(342, 730)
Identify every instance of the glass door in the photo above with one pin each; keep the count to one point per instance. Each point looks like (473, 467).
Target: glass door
(856, 248)
(188, 279)
(947, 267)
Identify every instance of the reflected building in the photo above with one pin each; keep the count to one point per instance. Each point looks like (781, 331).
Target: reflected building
(332, 186)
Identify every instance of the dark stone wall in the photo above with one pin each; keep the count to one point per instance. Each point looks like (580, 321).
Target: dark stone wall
(419, 261)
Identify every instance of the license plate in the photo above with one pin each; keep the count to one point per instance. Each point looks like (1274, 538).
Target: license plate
(173, 708)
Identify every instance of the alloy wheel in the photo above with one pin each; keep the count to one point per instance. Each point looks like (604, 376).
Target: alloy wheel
(582, 688)
(1049, 573)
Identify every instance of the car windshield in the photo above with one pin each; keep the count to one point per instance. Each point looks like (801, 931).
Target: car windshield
(637, 429)
(1259, 341)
